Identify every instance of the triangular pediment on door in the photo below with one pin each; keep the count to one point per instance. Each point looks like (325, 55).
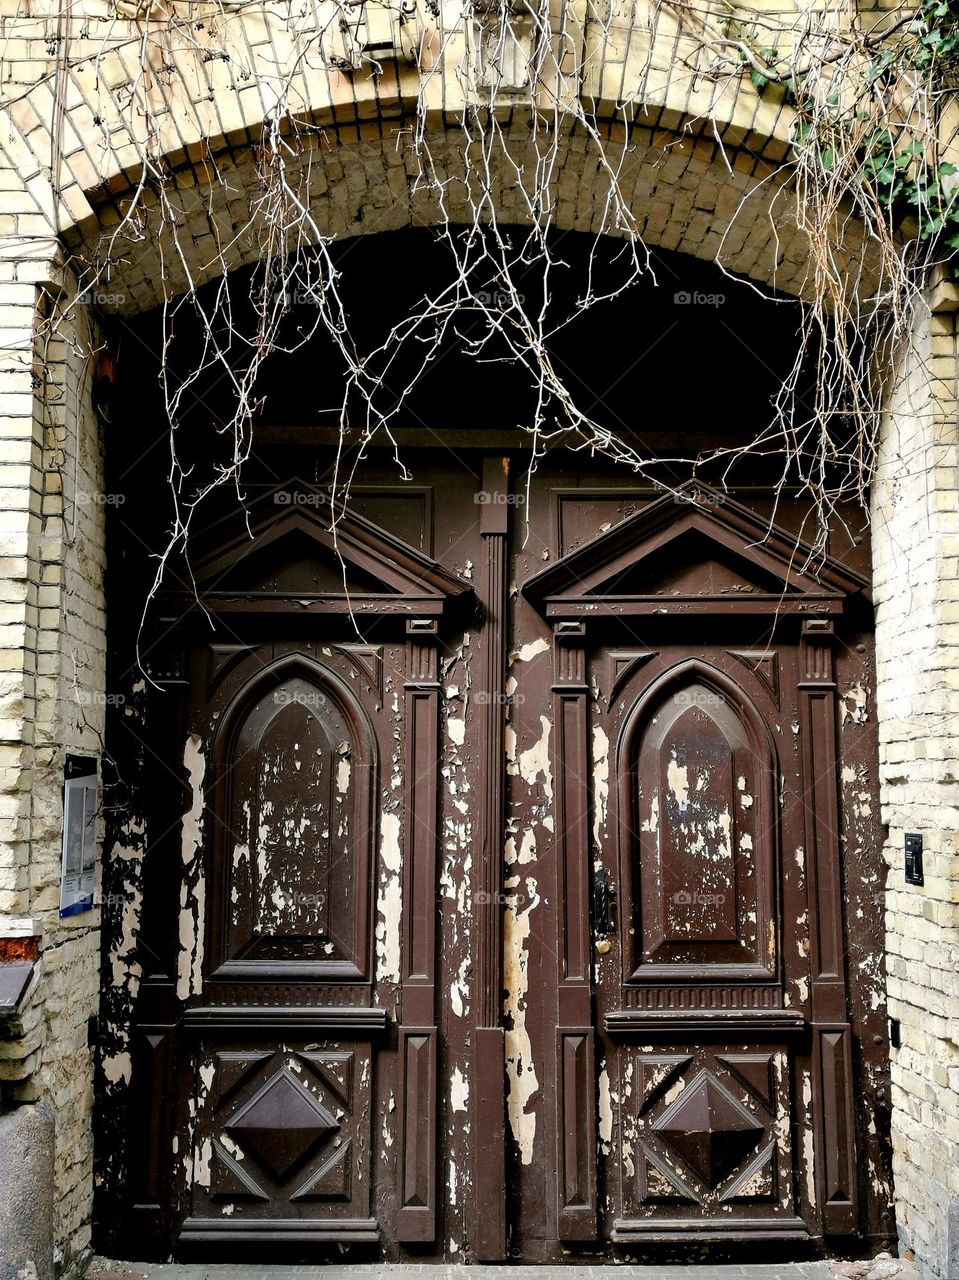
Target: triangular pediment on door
(693, 552)
(290, 549)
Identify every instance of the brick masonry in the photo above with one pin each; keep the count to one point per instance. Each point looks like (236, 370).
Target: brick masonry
(916, 523)
(78, 93)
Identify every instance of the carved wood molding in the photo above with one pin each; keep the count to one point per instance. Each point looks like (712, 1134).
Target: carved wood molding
(630, 570)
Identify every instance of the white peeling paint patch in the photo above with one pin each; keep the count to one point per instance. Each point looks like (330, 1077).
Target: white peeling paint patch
(652, 822)
(520, 1068)
(807, 1141)
(600, 783)
(677, 779)
(527, 848)
(529, 651)
(127, 970)
(343, 771)
(201, 1163)
(207, 1074)
(236, 1152)
(190, 957)
(456, 728)
(855, 705)
(605, 1113)
(459, 989)
(459, 1091)
(117, 1067)
(534, 762)
(389, 902)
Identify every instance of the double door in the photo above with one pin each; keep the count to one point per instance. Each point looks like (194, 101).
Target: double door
(521, 863)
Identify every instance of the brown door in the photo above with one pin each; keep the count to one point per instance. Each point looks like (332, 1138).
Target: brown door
(700, 931)
(505, 914)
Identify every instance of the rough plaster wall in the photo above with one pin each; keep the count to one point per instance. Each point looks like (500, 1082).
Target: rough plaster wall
(52, 654)
(916, 559)
(51, 623)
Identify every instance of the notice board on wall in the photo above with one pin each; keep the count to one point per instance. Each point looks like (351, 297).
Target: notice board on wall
(79, 855)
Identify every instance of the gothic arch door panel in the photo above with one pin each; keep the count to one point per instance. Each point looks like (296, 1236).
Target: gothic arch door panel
(703, 994)
(288, 1015)
(280, 1028)
(701, 970)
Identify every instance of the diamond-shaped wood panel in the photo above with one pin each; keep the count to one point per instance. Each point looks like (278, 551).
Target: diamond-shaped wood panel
(709, 1128)
(281, 1124)
(284, 1134)
(705, 1127)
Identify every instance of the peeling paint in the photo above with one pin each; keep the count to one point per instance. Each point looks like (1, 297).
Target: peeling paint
(190, 956)
(534, 762)
(529, 651)
(520, 1068)
(605, 1112)
(389, 902)
(855, 705)
(807, 1140)
(459, 1091)
(600, 783)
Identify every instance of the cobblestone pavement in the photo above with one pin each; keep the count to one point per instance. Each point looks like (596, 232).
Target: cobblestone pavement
(880, 1268)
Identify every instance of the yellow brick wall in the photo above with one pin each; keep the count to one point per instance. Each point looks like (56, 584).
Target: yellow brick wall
(80, 92)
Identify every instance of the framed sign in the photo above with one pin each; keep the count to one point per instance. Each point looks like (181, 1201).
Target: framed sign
(79, 835)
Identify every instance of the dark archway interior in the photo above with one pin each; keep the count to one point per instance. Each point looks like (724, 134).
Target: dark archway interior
(686, 351)
(685, 360)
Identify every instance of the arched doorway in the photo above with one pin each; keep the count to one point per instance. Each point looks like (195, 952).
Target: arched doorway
(553, 1036)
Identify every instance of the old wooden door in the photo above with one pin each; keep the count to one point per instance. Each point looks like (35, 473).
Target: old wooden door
(262, 1059)
(703, 1026)
(498, 910)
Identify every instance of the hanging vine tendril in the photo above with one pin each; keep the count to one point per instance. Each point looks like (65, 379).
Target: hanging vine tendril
(866, 181)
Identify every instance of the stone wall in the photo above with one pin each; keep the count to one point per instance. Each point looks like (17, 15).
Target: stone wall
(52, 655)
(52, 687)
(916, 574)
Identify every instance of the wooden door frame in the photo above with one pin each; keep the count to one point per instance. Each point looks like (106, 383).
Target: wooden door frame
(570, 594)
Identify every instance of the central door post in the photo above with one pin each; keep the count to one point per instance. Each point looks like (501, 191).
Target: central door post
(575, 1093)
(489, 1094)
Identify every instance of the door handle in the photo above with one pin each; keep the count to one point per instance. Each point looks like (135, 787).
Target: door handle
(603, 894)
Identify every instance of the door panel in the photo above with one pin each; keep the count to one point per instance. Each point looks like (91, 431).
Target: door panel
(282, 1136)
(279, 1034)
(698, 832)
(293, 829)
(512, 925)
(695, 1011)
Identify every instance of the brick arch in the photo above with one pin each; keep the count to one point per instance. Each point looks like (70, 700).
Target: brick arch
(680, 189)
(701, 152)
